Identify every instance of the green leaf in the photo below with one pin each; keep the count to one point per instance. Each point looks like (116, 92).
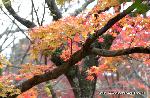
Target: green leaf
(1, 71)
(142, 8)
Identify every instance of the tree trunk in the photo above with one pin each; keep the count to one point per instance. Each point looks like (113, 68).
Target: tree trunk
(82, 88)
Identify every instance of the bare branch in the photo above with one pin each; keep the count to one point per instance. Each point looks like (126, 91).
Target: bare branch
(16, 25)
(8, 44)
(54, 9)
(6, 38)
(27, 23)
(7, 31)
(79, 10)
(37, 17)
(13, 31)
(43, 14)
(112, 53)
(25, 54)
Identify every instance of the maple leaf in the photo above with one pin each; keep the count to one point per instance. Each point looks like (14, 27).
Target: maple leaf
(90, 78)
(65, 55)
(77, 38)
(147, 62)
(103, 67)
(100, 39)
(114, 34)
(1, 66)
(18, 78)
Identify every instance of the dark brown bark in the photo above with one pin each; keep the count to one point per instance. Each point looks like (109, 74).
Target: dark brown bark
(82, 88)
(27, 23)
(54, 9)
(113, 53)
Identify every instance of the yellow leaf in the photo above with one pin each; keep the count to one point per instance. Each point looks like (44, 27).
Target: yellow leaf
(1, 66)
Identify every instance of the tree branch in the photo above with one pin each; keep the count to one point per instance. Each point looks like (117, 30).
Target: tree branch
(109, 24)
(112, 53)
(27, 23)
(16, 24)
(43, 14)
(79, 10)
(36, 13)
(75, 58)
(54, 9)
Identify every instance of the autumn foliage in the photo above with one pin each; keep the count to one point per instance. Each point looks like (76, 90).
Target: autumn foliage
(69, 35)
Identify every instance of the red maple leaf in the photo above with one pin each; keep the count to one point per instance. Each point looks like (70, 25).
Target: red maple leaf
(100, 40)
